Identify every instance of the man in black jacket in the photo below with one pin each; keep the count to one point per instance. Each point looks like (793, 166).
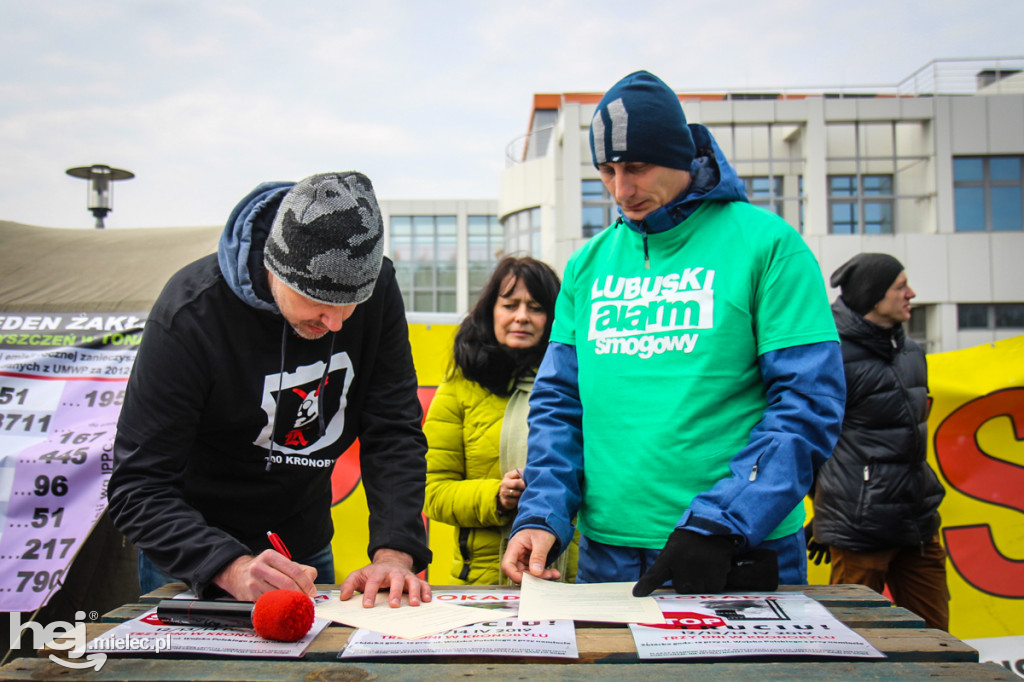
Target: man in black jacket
(876, 499)
(259, 366)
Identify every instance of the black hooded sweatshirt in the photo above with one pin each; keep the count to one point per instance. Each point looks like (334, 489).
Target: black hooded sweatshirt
(194, 483)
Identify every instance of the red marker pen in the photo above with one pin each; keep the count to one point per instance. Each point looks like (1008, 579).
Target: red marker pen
(278, 544)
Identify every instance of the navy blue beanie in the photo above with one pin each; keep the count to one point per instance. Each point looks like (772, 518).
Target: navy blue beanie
(640, 119)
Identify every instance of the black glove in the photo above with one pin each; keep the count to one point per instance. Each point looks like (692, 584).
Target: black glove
(694, 562)
(755, 571)
(816, 551)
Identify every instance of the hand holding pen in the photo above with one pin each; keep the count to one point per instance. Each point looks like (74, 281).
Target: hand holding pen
(278, 544)
(248, 577)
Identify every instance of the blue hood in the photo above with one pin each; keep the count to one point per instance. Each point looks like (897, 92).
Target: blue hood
(240, 251)
(712, 179)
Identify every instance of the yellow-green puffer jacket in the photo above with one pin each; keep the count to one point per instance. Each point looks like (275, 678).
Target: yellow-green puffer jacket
(463, 429)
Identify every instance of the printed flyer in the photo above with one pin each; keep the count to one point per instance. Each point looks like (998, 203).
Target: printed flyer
(148, 634)
(506, 635)
(770, 624)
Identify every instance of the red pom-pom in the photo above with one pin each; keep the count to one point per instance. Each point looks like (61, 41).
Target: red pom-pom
(283, 615)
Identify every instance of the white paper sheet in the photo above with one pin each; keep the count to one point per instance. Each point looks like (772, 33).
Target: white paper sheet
(407, 622)
(595, 602)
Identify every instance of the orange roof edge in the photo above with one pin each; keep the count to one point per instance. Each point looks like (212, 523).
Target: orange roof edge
(550, 101)
(546, 101)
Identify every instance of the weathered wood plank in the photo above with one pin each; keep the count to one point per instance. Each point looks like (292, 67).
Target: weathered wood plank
(853, 616)
(163, 592)
(212, 670)
(829, 595)
(126, 612)
(615, 645)
(840, 595)
(875, 617)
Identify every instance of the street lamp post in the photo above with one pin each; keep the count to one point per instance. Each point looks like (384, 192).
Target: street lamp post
(100, 199)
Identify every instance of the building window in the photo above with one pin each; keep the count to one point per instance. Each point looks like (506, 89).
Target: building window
(522, 232)
(860, 204)
(770, 159)
(598, 207)
(987, 194)
(765, 191)
(917, 326)
(990, 316)
(800, 185)
(423, 249)
(877, 175)
(486, 246)
(541, 128)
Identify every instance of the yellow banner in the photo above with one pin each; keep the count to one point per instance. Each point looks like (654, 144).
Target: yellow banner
(431, 351)
(976, 446)
(976, 429)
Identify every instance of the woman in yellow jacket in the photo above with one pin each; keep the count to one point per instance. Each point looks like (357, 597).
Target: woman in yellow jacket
(476, 425)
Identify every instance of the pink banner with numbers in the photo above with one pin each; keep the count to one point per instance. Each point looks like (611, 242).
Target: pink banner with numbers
(62, 381)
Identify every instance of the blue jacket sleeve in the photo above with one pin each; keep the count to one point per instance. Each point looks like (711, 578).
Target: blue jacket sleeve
(806, 393)
(554, 465)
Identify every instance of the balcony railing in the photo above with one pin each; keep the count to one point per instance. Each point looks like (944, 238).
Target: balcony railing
(532, 145)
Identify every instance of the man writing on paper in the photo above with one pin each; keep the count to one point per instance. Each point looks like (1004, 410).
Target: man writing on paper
(693, 382)
(259, 366)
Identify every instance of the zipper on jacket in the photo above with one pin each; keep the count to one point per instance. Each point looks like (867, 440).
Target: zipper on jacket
(867, 472)
(755, 468)
(647, 256)
(464, 534)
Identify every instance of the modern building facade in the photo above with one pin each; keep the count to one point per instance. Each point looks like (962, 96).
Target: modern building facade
(443, 250)
(930, 170)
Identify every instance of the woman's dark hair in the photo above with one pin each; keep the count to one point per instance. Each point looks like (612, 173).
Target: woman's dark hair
(477, 352)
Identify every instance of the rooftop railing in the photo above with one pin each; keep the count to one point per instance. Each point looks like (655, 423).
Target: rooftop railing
(991, 75)
(948, 77)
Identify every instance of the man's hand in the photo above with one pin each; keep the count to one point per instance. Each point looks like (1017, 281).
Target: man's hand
(391, 569)
(528, 551)
(694, 562)
(247, 577)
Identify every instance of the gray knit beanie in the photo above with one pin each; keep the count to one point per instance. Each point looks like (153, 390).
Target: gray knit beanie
(864, 279)
(327, 239)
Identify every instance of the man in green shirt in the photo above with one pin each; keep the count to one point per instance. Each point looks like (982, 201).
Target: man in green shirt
(694, 381)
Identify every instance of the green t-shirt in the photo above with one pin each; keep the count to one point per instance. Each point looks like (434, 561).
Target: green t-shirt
(668, 370)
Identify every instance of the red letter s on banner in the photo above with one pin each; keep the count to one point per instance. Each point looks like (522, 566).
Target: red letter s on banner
(975, 473)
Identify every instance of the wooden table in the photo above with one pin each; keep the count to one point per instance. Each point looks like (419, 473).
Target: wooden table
(913, 652)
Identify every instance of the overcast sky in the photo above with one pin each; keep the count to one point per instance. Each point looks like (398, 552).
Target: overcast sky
(205, 100)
